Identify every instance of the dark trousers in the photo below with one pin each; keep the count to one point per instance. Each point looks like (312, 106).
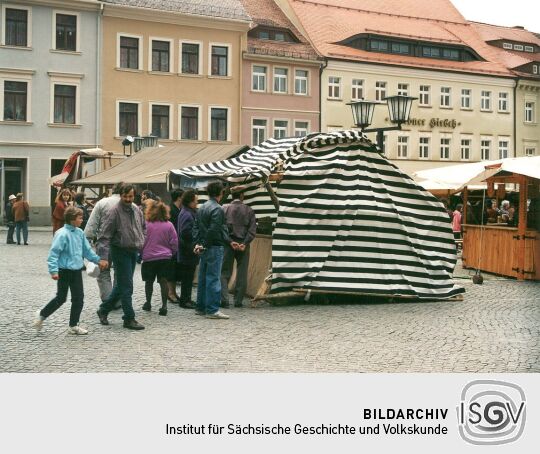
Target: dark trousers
(125, 261)
(242, 264)
(10, 232)
(186, 274)
(68, 280)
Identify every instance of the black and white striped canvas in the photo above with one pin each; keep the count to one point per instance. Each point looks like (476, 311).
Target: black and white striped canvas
(349, 220)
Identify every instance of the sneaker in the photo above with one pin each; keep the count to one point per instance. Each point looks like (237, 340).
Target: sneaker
(218, 315)
(133, 324)
(38, 322)
(77, 330)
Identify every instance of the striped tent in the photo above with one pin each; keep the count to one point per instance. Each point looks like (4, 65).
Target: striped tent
(348, 219)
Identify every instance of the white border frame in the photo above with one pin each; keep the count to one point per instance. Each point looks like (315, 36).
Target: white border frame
(17, 78)
(430, 96)
(490, 139)
(287, 79)
(482, 109)
(139, 116)
(308, 81)
(53, 32)
(229, 135)
(471, 99)
(288, 129)
(28, 29)
(509, 148)
(171, 122)
(266, 129)
(171, 54)
(363, 89)
(408, 136)
(199, 122)
(446, 135)
(229, 59)
(265, 77)
(141, 53)
(71, 81)
(294, 129)
(449, 94)
(380, 88)
(471, 147)
(429, 136)
(200, 71)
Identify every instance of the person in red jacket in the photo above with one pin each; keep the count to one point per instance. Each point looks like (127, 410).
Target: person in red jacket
(62, 201)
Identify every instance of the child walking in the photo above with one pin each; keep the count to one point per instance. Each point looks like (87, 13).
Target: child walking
(65, 262)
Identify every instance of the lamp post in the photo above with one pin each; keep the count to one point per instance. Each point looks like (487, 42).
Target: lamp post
(399, 110)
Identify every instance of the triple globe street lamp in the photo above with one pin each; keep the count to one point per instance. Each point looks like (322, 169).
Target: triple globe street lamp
(399, 110)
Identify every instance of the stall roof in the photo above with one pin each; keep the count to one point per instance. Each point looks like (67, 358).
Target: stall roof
(151, 165)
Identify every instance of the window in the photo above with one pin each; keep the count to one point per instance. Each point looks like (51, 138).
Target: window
(66, 32)
(529, 49)
(279, 36)
(129, 52)
(334, 87)
(529, 112)
(189, 126)
(507, 45)
(128, 119)
(485, 100)
(535, 69)
(258, 77)
(530, 151)
(503, 148)
(403, 147)
(379, 45)
(424, 95)
(431, 52)
(485, 149)
(15, 100)
(161, 54)
(64, 103)
(465, 149)
(280, 80)
(219, 123)
(450, 54)
(380, 91)
(281, 128)
(258, 131)
(445, 148)
(273, 35)
(445, 97)
(16, 30)
(403, 89)
(160, 121)
(220, 57)
(301, 128)
(190, 58)
(357, 92)
(466, 98)
(423, 151)
(518, 47)
(300, 82)
(503, 101)
(400, 48)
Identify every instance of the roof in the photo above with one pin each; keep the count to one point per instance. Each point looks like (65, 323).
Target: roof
(267, 13)
(226, 9)
(151, 165)
(329, 22)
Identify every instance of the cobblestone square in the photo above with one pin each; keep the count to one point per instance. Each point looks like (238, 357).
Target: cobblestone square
(495, 329)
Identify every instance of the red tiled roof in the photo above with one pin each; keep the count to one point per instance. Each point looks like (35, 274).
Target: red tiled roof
(490, 32)
(328, 22)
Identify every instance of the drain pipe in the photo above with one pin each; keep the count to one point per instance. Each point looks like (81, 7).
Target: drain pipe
(321, 69)
(98, 76)
(515, 116)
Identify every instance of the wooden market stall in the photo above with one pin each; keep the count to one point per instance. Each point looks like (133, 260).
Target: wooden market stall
(502, 249)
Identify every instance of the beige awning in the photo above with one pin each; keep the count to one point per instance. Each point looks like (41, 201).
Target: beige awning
(151, 165)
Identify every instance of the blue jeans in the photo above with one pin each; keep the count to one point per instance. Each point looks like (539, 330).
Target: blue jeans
(21, 225)
(124, 267)
(209, 285)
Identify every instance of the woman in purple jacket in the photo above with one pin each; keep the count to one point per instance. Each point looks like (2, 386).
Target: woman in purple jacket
(187, 260)
(160, 245)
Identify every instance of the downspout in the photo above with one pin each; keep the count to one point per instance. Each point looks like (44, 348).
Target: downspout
(515, 116)
(98, 76)
(321, 69)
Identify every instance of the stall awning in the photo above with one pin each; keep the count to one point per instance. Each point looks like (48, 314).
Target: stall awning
(151, 165)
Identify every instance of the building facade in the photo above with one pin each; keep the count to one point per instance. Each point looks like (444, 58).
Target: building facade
(49, 72)
(172, 69)
(280, 90)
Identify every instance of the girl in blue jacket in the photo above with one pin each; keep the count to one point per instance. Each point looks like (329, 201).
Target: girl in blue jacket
(65, 261)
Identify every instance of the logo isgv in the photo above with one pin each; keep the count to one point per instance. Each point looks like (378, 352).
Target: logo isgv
(491, 412)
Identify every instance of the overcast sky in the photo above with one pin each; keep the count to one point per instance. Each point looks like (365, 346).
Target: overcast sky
(502, 12)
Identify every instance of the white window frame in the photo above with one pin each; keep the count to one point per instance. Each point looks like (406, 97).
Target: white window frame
(229, 132)
(201, 53)
(403, 146)
(422, 145)
(67, 79)
(449, 145)
(529, 116)
(507, 46)
(274, 128)
(307, 79)
(28, 27)
(467, 97)
(259, 74)
(199, 122)
(501, 149)
(6, 75)
(381, 91)
(503, 100)
(527, 150)
(78, 39)
(485, 97)
(427, 94)
(171, 54)
(141, 53)
(139, 115)
(483, 149)
(535, 69)
(462, 148)
(265, 129)
(171, 114)
(280, 76)
(445, 96)
(518, 47)
(295, 129)
(229, 59)
(403, 89)
(356, 89)
(333, 86)
(529, 49)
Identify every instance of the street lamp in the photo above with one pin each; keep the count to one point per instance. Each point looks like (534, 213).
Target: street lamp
(399, 110)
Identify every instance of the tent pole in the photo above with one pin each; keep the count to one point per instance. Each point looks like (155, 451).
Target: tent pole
(271, 192)
(522, 226)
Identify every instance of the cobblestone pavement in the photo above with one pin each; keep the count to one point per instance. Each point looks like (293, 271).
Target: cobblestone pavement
(495, 329)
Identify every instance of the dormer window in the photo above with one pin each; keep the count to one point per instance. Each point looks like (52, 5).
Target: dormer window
(529, 49)
(518, 47)
(273, 35)
(507, 46)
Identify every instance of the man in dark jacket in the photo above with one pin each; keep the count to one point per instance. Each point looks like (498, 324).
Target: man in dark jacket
(242, 227)
(123, 237)
(10, 219)
(210, 235)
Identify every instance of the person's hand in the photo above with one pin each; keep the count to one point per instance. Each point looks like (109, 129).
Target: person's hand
(55, 276)
(242, 247)
(103, 265)
(234, 245)
(198, 249)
